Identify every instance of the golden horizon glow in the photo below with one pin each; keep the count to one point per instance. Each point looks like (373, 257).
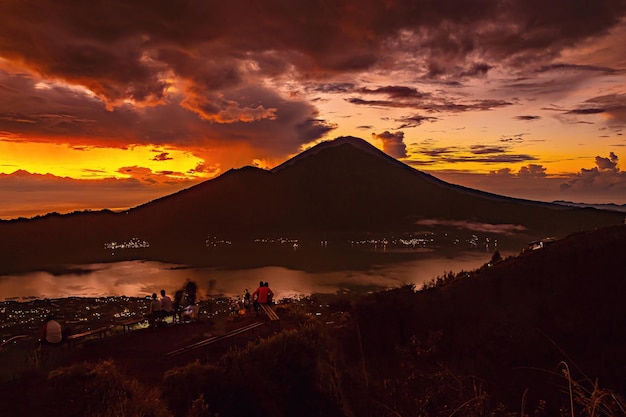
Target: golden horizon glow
(95, 162)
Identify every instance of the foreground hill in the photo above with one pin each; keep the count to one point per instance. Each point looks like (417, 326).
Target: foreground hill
(334, 191)
(523, 328)
(539, 334)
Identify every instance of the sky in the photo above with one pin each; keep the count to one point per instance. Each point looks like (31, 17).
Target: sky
(111, 104)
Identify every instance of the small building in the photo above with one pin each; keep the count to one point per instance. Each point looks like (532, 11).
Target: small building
(540, 244)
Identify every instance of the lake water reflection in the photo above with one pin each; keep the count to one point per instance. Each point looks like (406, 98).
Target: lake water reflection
(141, 278)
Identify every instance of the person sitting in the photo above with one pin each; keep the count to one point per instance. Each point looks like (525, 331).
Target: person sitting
(51, 332)
(154, 311)
(190, 312)
(255, 298)
(166, 306)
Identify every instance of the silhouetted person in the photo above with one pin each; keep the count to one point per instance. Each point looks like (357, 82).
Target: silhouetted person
(166, 305)
(190, 309)
(255, 298)
(191, 290)
(270, 294)
(263, 293)
(246, 299)
(178, 303)
(51, 332)
(154, 311)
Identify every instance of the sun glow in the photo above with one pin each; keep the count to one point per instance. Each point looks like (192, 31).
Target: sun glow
(94, 162)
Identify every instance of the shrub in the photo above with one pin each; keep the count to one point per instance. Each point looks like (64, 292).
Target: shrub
(100, 389)
(291, 373)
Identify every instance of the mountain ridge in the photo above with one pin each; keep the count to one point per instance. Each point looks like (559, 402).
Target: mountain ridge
(336, 190)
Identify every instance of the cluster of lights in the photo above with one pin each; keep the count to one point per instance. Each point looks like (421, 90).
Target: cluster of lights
(212, 241)
(280, 240)
(415, 242)
(375, 242)
(134, 243)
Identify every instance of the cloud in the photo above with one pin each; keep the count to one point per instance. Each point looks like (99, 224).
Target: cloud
(26, 194)
(605, 177)
(162, 156)
(532, 171)
(566, 67)
(393, 143)
(607, 164)
(502, 172)
(125, 51)
(414, 121)
(506, 229)
(474, 153)
(396, 92)
(235, 88)
(432, 104)
(485, 150)
(333, 87)
(33, 109)
(612, 106)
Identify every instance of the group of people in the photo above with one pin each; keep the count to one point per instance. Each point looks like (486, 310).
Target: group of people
(183, 306)
(160, 308)
(262, 295)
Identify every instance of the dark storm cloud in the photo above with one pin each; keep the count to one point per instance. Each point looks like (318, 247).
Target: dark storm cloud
(396, 92)
(437, 152)
(556, 80)
(485, 150)
(414, 121)
(560, 67)
(442, 104)
(505, 158)
(334, 87)
(125, 50)
(614, 105)
(589, 110)
(473, 153)
(477, 69)
(198, 72)
(34, 111)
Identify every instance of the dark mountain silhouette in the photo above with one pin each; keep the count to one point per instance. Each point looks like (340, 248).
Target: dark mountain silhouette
(335, 190)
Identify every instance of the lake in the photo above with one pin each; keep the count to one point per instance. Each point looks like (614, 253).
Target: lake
(142, 278)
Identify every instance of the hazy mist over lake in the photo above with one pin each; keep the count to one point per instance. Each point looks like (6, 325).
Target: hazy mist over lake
(142, 278)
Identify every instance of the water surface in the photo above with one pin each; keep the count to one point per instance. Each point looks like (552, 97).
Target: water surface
(141, 278)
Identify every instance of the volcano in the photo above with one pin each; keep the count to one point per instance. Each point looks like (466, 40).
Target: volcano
(335, 190)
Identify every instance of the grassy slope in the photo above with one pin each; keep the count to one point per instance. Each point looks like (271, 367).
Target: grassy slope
(511, 325)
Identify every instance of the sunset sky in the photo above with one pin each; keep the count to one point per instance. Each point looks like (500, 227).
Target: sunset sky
(110, 104)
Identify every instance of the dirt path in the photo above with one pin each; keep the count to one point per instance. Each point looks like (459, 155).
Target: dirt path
(143, 353)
